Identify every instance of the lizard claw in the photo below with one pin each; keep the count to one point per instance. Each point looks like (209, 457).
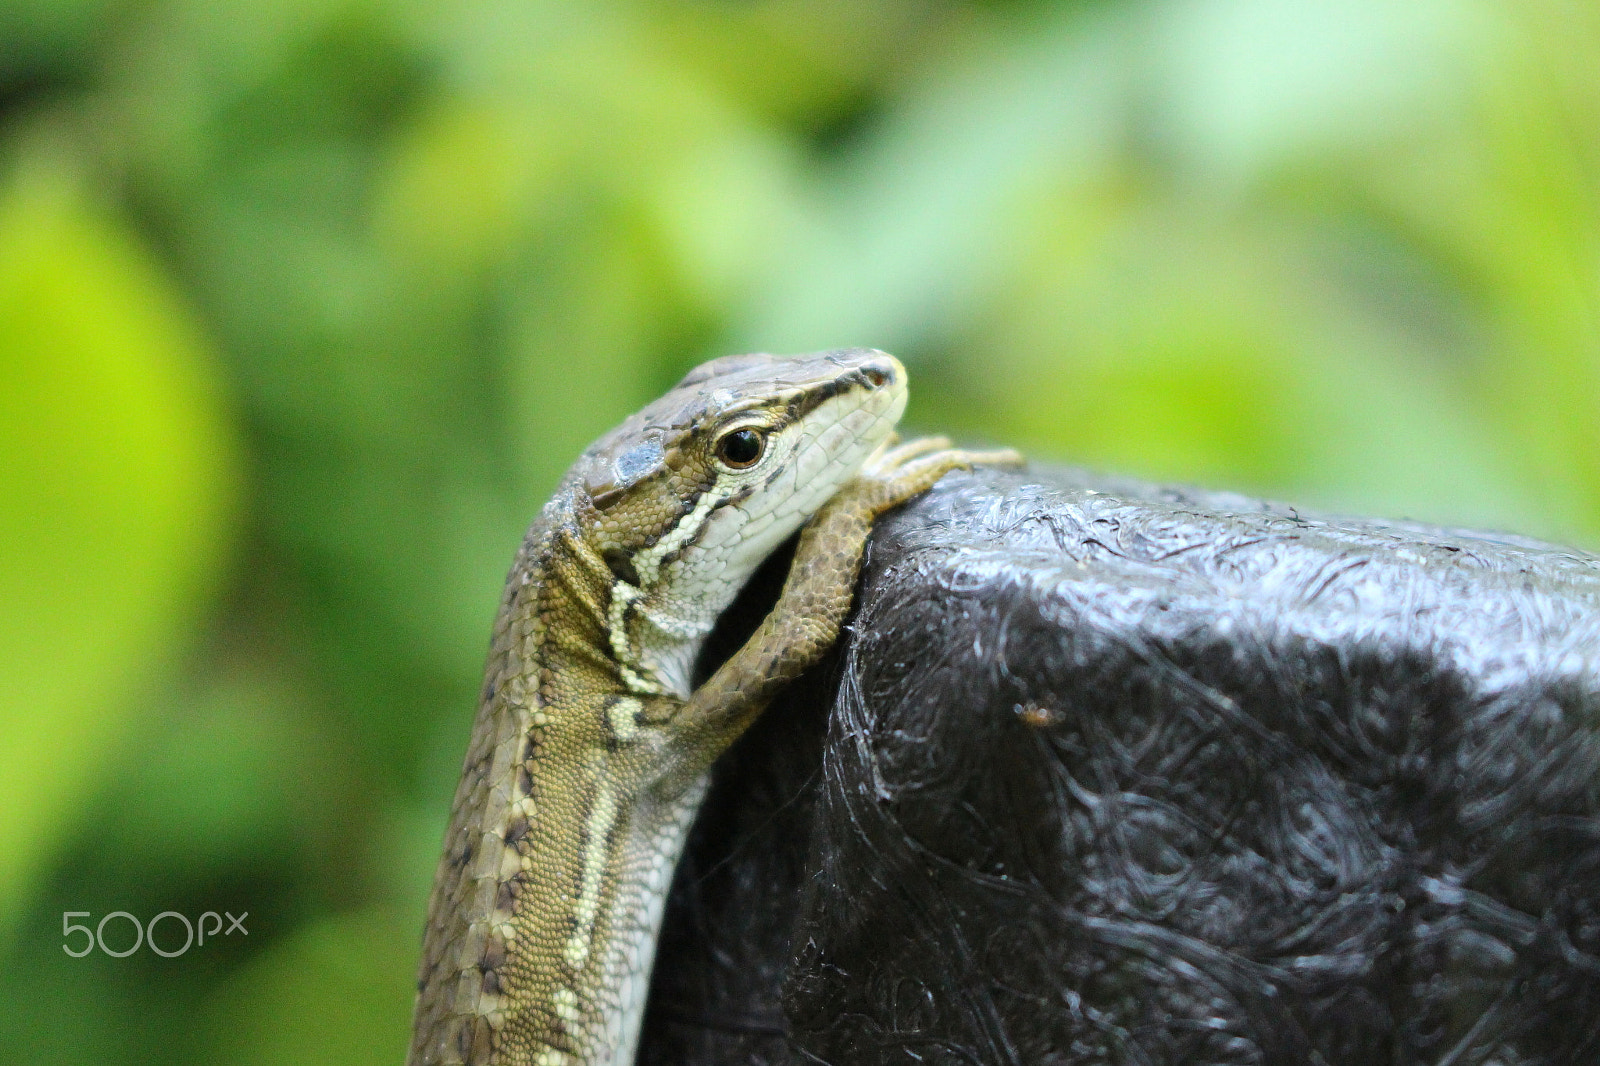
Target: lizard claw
(896, 457)
(893, 475)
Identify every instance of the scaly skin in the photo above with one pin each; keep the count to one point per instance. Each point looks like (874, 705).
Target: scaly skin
(589, 754)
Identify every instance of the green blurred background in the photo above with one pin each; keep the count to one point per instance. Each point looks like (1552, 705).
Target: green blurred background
(305, 304)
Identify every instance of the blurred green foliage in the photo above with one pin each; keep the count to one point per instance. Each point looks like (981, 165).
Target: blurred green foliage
(305, 305)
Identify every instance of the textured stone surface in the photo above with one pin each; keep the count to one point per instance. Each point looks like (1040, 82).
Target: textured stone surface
(1113, 773)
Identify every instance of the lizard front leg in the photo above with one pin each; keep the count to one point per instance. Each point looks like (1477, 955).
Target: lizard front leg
(817, 594)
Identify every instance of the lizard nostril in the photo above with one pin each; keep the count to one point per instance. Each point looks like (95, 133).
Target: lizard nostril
(877, 377)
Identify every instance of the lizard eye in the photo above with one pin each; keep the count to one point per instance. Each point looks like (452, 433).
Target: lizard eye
(741, 448)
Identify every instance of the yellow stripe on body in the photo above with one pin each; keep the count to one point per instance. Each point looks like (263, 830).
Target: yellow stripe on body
(596, 862)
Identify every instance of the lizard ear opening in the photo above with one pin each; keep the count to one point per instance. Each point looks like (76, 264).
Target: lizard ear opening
(620, 563)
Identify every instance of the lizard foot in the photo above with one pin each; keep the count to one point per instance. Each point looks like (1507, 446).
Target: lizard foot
(894, 475)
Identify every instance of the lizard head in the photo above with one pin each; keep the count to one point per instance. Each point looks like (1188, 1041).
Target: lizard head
(705, 482)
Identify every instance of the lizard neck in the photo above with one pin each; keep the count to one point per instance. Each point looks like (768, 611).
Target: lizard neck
(599, 813)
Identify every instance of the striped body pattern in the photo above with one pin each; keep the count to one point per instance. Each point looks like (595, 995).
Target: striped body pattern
(589, 753)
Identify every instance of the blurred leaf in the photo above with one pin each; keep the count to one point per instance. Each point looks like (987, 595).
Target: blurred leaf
(1237, 89)
(465, 179)
(1530, 230)
(910, 227)
(338, 993)
(809, 62)
(48, 42)
(1189, 345)
(115, 497)
(238, 775)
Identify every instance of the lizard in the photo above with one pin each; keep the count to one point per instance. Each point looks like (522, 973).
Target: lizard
(590, 753)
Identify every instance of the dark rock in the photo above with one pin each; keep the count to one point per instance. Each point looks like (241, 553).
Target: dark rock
(1112, 773)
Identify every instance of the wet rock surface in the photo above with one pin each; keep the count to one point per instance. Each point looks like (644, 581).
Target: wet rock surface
(1106, 772)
